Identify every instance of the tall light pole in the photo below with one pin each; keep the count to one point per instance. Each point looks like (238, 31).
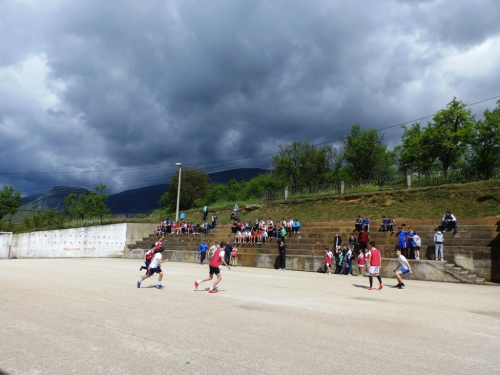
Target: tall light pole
(178, 192)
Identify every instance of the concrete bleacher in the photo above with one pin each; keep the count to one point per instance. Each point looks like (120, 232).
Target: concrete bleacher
(471, 256)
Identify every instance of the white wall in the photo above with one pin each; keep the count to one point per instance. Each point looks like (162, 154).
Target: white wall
(97, 241)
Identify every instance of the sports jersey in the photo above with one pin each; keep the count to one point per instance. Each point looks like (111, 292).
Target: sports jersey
(218, 255)
(150, 254)
(402, 260)
(375, 257)
(361, 259)
(156, 261)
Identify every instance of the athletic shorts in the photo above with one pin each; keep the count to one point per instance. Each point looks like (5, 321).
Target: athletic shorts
(416, 248)
(328, 264)
(213, 270)
(361, 265)
(374, 270)
(404, 270)
(152, 271)
(401, 244)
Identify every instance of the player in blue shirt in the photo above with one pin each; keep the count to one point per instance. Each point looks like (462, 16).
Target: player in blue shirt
(401, 235)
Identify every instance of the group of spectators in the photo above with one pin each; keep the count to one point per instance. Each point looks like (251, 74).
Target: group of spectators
(261, 231)
(169, 228)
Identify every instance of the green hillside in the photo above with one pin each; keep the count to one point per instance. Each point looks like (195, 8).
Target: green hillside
(468, 200)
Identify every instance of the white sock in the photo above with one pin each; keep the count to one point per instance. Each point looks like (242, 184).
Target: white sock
(139, 281)
(211, 288)
(198, 282)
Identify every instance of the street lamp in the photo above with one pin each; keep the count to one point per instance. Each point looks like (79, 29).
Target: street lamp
(178, 192)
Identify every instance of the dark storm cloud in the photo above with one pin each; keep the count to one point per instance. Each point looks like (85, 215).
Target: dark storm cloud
(151, 83)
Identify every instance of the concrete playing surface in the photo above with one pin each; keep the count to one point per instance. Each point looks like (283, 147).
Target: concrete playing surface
(86, 316)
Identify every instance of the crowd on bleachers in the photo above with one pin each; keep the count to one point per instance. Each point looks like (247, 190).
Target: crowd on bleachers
(261, 231)
(169, 228)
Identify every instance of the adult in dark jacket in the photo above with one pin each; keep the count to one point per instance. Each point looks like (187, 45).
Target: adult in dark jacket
(282, 251)
(337, 241)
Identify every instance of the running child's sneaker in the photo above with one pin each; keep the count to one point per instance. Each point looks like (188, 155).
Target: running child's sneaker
(381, 286)
(159, 286)
(138, 284)
(196, 284)
(370, 288)
(212, 291)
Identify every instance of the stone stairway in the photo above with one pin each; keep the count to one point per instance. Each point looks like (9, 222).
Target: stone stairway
(473, 253)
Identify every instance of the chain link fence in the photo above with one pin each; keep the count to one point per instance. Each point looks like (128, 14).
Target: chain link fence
(382, 183)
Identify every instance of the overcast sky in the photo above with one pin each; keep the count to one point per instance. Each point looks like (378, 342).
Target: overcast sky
(119, 91)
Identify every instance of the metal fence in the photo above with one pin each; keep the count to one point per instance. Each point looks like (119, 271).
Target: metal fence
(382, 183)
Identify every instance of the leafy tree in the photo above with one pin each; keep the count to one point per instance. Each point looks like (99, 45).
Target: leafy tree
(194, 185)
(91, 204)
(10, 200)
(302, 164)
(50, 219)
(485, 144)
(365, 154)
(412, 155)
(262, 182)
(447, 137)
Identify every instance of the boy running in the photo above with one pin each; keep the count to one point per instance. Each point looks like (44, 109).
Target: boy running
(148, 256)
(375, 263)
(214, 265)
(154, 267)
(405, 268)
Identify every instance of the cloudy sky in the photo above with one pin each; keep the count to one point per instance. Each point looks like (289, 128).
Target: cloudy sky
(119, 91)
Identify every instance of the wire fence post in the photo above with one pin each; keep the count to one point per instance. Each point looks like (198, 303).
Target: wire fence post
(286, 193)
(342, 188)
(408, 181)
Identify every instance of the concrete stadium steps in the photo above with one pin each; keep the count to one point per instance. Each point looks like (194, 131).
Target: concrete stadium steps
(476, 247)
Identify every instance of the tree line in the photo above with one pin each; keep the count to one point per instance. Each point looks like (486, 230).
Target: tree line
(452, 140)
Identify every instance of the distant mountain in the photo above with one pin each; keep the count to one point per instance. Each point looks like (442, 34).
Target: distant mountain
(51, 200)
(142, 200)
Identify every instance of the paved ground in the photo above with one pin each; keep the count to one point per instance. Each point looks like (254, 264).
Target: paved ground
(86, 316)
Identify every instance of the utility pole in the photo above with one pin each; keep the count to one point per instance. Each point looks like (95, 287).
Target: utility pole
(271, 155)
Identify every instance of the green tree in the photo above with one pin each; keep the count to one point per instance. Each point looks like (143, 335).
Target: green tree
(194, 185)
(449, 134)
(412, 155)
(485, 144)
(365, 154)
(302, 164)
(10, 200)
(92, 204)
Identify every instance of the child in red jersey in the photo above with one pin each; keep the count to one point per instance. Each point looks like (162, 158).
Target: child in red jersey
(375, 260)
(214, 265)
(328, 260)
(148, 256)
(361, 263)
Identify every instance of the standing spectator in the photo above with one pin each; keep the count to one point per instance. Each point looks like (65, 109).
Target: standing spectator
(405, 268)
(367, 261)
(345, 265)
(358, 225)
(234, 213)
(410, 245)
(352, 241)
(205, 213)
(438, 244)
(349, 256)
(391, 224)
(363, 239)
(417, 242)
(202, 249)
(361, 263)
(214, 220)
(227, 253)
(449, 220)
(328, 261)
(282, 251)
(337, 241)
(366, 225)
(375, 265)
(234, 255)
(182, 216)
(401, 235)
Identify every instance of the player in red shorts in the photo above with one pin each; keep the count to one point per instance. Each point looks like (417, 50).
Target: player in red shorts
(214, 265)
